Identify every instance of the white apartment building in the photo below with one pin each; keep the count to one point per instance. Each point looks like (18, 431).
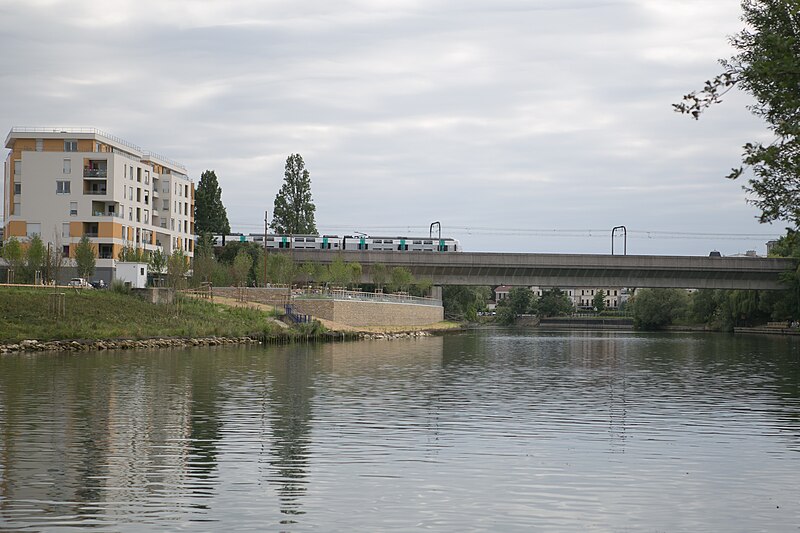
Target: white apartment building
(64, 183)
(581, 297)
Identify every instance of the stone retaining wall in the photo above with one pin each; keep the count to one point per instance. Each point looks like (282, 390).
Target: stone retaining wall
(360, 313)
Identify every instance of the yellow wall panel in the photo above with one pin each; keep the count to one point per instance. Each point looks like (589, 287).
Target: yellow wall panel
(76, 229)
(16, 228)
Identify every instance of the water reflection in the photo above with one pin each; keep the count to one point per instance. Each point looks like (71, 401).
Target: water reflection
(496, 430)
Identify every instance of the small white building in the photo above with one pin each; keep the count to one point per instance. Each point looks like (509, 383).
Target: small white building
(133, 273)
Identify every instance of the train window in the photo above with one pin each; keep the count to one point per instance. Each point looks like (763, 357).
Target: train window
(428, 242)
(417, 242)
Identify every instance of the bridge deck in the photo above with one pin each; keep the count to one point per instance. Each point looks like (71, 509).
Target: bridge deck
(571, 270)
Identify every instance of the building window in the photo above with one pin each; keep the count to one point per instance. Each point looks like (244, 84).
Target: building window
(34, 229)
(165, 205)
(146, 216)
(68, 166)
(65, 229)
(65, 250)
(17, 209)
(62, 187)
(73, 209)
(17, 188)
(130, 214)
(17, 167)
(131, 173)
(70, 145)
(165, 189)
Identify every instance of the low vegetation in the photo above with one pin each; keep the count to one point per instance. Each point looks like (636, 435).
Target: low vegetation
(26, 313)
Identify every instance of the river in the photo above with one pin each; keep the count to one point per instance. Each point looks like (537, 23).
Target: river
(492, 430)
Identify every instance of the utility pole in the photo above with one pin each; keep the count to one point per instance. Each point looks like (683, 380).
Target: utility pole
(265, 248)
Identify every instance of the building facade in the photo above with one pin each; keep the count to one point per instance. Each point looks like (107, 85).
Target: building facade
(66, 183)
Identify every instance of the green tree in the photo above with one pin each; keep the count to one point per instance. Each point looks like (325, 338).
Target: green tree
(132, 254)
(520, 300)
(356, 271)
(85, 258)
(339, 274)
(293, 211)
(379, 274)
(462, 302)
(157, 265)
(400, 280)
(505, 313)
(176, 270)
(209, 213)
(14, 255)
(422, 287)
(35, 258)
(241, 267)
(554, 302)
(657, 308)
(767, 66)
(280, 269)
(599, 301)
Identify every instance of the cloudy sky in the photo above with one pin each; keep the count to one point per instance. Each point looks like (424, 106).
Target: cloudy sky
(520, 125)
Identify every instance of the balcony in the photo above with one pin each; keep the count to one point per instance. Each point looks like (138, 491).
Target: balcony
(95, 173)
(95, 187)
(95, 168)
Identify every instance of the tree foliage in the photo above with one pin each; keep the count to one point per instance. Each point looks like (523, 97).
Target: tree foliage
(15, 256)
(599, 300)
(176, 270)
(85, 258)
(35, 258)
(400, 279)
(767, 66)
(554, 302)
(209, 212)
(132, 254)
(293, 210)
(242, 264)
(657, 308)
(464, 302)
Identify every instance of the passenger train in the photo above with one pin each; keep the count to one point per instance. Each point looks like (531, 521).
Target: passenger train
(348, 242)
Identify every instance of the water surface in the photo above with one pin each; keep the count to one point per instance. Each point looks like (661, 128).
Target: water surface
(496, 430)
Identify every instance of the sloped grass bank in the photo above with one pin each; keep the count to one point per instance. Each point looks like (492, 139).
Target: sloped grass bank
(25, 313)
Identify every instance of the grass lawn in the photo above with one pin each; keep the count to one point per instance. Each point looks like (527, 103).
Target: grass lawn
(105, 314)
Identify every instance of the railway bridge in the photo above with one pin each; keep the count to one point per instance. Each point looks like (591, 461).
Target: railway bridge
(569, 270)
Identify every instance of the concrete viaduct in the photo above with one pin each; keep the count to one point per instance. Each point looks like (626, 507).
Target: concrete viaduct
(570, 270)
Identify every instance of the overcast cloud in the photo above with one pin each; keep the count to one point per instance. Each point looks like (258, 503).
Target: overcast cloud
(493, 117)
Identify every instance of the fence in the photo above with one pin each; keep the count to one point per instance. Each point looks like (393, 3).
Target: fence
(342, 294)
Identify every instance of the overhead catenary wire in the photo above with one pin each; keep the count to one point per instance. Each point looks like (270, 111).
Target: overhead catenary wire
(457, 231)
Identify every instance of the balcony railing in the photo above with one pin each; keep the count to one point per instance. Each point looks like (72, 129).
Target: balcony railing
(95, 173)
(95, 192)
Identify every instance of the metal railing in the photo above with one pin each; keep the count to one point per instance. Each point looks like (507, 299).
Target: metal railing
(342, 294)
(95, 173)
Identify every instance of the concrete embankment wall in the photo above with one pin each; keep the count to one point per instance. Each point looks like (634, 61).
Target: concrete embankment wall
(587, 323)
(763, 330)
(361, 313)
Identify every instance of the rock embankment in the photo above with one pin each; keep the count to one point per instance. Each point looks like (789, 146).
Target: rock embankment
(395, 336)
(144, 344)
(124, 344)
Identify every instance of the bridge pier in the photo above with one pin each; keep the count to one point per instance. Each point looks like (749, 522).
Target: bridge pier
(436, 292)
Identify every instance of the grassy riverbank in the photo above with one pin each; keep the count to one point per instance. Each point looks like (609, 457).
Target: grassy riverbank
(104, 314)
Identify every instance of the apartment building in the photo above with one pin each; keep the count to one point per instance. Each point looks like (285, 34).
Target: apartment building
(64, 183)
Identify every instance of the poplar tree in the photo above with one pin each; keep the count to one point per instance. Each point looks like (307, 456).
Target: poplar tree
(209, 212)
(293, 211)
